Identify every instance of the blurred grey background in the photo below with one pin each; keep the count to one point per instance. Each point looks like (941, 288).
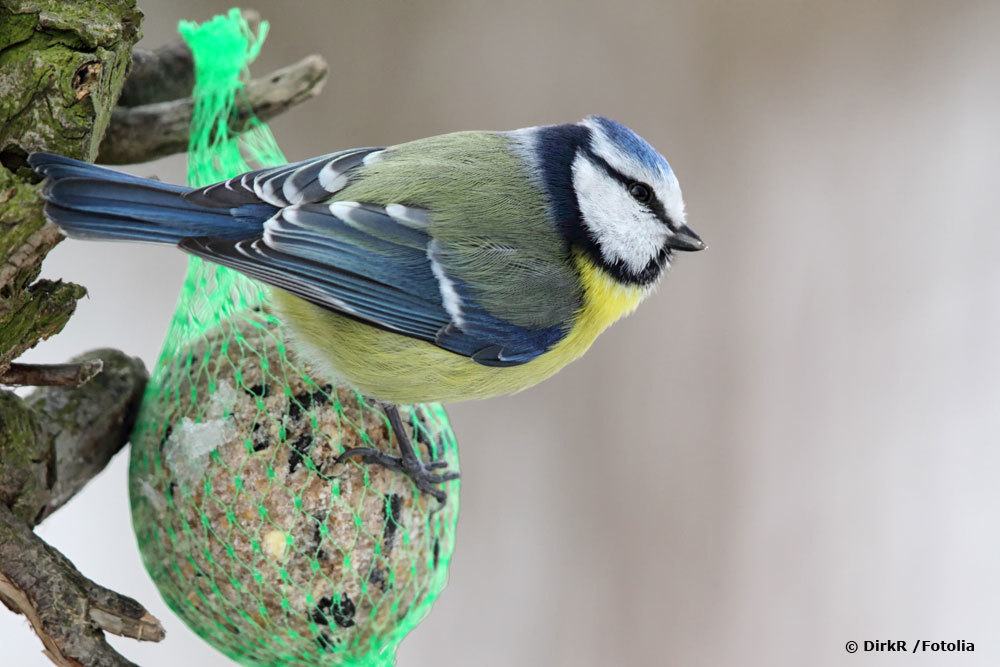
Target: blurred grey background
(792, 445)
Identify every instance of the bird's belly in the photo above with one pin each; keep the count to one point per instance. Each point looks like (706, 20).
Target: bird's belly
(400, 369)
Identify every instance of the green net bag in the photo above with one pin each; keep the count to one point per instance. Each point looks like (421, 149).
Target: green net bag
(254, 533)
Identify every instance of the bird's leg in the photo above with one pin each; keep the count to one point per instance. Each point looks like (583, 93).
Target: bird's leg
(407, 462)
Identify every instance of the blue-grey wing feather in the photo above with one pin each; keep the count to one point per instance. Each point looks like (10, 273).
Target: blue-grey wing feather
(377, 264)
(307, 181)
(362, 261)
(319, 284)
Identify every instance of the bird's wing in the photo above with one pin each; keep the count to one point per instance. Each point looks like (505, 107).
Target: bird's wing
(380, 265)
(303, 182)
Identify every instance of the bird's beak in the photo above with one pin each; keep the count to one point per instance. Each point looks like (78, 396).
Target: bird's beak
(685, 239)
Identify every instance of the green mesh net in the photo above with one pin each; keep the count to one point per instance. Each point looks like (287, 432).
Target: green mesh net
(256, 536)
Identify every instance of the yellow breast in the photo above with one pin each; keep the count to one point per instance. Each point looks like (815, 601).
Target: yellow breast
(405, 370)
(605, 302)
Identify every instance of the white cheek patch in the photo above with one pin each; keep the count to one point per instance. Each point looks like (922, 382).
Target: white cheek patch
(664, 182)
(625, 231)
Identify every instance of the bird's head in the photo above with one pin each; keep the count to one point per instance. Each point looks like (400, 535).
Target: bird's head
(613, 196)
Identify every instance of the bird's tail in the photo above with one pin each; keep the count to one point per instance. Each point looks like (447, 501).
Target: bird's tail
(90, 202)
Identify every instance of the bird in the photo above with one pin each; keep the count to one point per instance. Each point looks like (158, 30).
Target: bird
(461, 266)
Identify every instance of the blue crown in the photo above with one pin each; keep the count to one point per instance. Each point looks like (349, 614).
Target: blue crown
(632, 144)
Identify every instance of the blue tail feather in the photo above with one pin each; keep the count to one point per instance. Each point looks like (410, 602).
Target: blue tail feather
(92, 202)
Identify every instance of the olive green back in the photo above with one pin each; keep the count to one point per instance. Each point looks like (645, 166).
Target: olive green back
(491, 221)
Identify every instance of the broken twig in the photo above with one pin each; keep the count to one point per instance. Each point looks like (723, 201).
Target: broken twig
(51, 375)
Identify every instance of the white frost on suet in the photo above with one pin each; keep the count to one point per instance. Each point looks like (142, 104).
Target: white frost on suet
(154, 497)
(223, 400)
(191, 443)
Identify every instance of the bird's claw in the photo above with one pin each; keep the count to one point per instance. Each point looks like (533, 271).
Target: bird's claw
(420, 473)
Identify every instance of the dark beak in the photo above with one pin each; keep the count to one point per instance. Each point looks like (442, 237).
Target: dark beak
(685, 239)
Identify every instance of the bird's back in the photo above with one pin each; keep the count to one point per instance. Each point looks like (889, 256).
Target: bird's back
(489, 216)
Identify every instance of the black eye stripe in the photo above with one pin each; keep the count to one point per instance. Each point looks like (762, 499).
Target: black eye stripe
(654, 204)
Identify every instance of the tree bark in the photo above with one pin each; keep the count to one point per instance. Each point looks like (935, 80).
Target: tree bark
(63, 66)
(87, 425)
(51, 375)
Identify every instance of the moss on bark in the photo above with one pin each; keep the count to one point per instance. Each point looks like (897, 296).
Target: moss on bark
(62, 67)
(27, 459)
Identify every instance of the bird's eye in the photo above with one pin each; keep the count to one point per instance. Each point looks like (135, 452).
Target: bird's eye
(641, 192)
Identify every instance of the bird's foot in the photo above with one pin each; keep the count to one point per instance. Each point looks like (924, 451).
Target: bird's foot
(428, 477)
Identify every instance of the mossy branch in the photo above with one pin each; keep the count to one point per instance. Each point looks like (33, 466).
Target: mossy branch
(63, 67)
(53, 443)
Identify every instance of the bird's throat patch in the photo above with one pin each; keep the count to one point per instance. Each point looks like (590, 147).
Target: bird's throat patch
(605, 300)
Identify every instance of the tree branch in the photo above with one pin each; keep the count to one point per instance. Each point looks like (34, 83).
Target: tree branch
(63, 70)
(29, 312)
(88, 424)
(63, 85)
(166, 72)
(53, 443)
(150, 131)
(162, 74)
(67, 611)
(50, 375)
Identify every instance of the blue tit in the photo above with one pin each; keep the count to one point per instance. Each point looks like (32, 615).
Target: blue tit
(466, 265)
